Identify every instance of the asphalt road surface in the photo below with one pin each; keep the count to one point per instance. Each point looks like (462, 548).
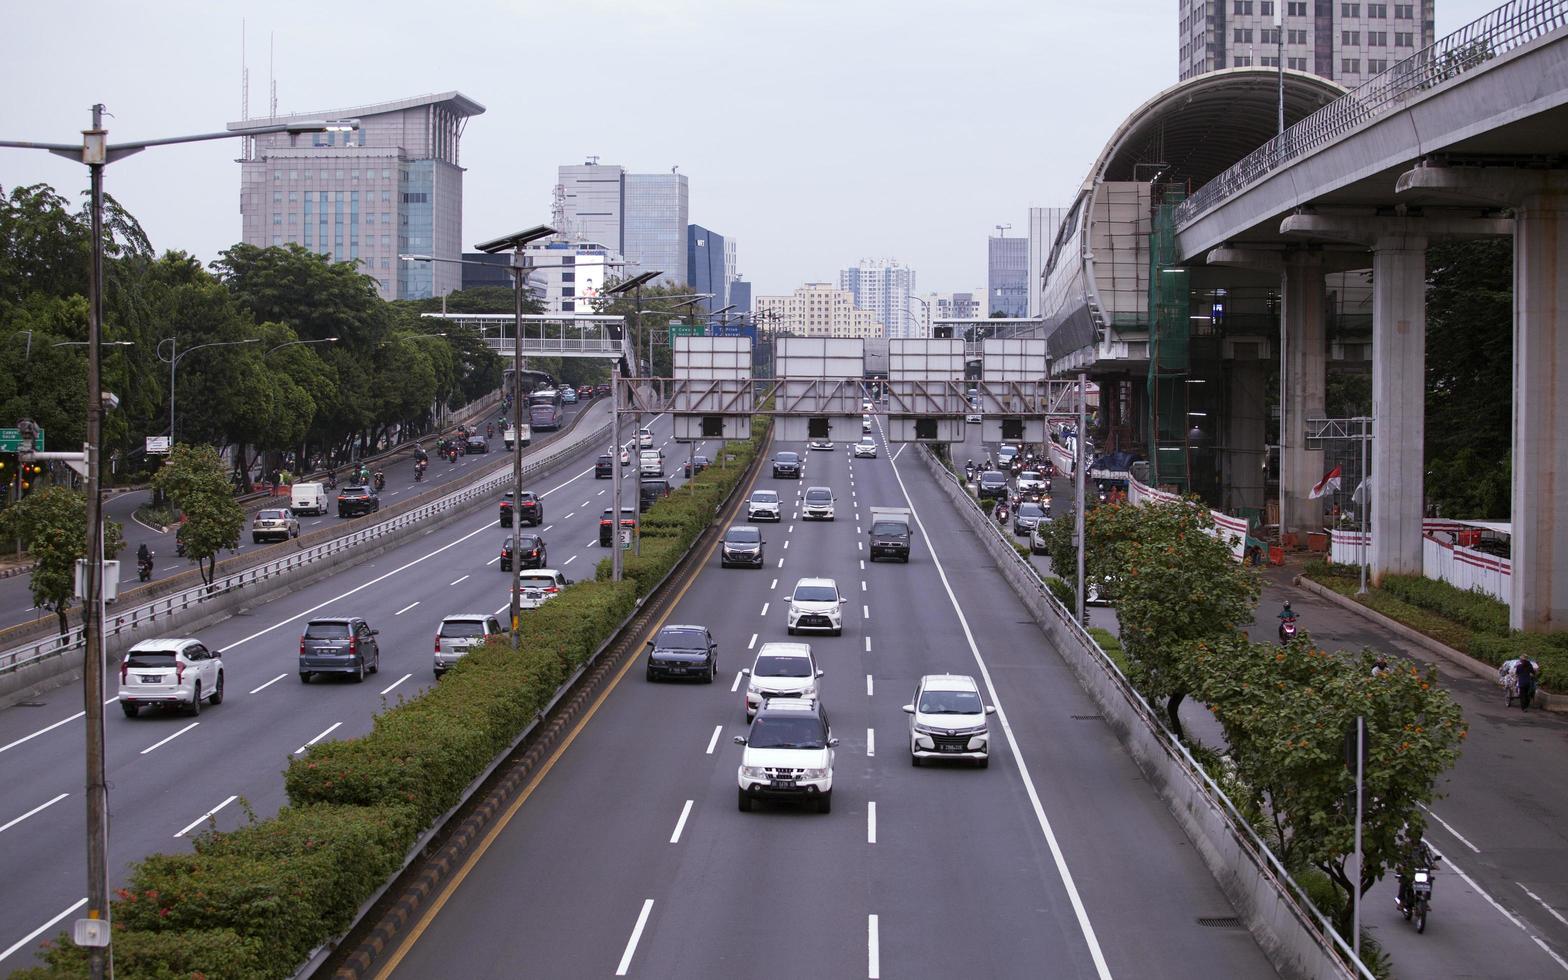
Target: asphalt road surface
(628, 855)
(167, 772)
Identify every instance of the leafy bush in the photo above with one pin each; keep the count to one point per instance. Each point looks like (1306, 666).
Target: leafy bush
(1474, 609)
(1108, 642)
(1063, 591)
(171, 954)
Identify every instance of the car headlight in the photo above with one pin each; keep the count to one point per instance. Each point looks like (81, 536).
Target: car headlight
(753, 689)
(815, 773)
(753, 772)
(928, 730)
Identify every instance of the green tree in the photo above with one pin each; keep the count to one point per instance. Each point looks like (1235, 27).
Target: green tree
(194, 480)
(1286, 713)
(52, 522)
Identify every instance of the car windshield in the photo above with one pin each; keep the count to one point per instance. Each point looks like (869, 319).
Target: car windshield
(950, 703)
(868, 441)
(743, 535)
(270, 515)
(887, 527)
(526, 541)
(537, 581)
(149, 658)
(787, 733)
(1030, 510)
(604, 458)
(787, 457)
(1029, 475)
(678, 639)
(355, 491)
(816, 593)
(765, 497)
(326, 631)
(462, 628)
(773, 665)
(992, 477)
(819, 496)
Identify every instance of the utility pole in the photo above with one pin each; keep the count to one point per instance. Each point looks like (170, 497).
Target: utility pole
(1078, 490)
(1279, 42)
(615, 469)
(519, 275)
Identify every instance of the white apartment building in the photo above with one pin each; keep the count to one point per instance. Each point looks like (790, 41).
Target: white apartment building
(883, 286)
(818, 309)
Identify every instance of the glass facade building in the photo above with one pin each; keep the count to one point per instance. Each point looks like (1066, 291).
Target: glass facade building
(705, 266)
(655, 226)
(1007, 276)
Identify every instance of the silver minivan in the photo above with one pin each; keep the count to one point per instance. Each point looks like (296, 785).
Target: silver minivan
(457, 633)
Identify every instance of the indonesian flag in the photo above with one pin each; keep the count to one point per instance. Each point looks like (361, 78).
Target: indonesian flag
(1329, 484)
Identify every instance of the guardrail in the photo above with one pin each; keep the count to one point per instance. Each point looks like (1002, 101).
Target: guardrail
(1509, 26)
(119, 622)
(1055, 618)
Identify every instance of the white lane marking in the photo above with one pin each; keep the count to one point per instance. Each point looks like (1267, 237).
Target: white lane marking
(735, 686)
(465, 577)
(204, 817)
(1554, 913)
(868, 686)
(871, 744)
(865, 611)
(568, 561)
(781, 565)
(873, 949)
(258, 690)
(862, 585)
(753, 644)
(329, 731)
(170, 738)
(1493, 902)
(717, 729)
(380, 578)
(601, 493)
(490, 562)
(1449, 827)
(503, 608)
(1066, 875)
(868, 644)
(585, 503)
(44, 806)
(546, 528)
(765, 608)
(571, 515)
(680, 824)
(871, 823)
(791, 529)
(386, 690)
(592, 543)
(40, 930)
(862, 564)
(896, 453)
(860, 546)
(774, 585)
(49, 728)
(786, 544)
(631, 944)
(406, 608)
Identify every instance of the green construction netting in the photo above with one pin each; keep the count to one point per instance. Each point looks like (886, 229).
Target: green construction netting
(1169, 354)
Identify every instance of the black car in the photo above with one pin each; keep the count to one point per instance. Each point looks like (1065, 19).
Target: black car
(354, 501)
(475, 445)
(742, 545)
(696, 464)
(338, 645)
(650, 492)
(604, 467)
(607, 522)
(683, 651)
(532, 552)
(993, 484)
(1026, 516)
(787, 464)
(530, 509)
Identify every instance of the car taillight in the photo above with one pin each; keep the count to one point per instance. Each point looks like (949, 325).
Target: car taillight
(353, 644)
(124, 667)
(552, 589)
(438, 643)
(179, 673)
(302, 646)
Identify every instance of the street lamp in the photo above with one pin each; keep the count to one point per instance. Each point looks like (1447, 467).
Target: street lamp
(176, 356)
(323, 340)
(96, 152)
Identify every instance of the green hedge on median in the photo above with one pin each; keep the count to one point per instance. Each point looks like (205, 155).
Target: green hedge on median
(254, 903)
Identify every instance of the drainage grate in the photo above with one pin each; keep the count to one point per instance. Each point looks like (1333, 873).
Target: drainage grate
(1088, 718)
(1219, 921)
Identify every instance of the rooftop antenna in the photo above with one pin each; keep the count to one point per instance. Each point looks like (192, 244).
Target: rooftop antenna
(558, 215)
(673, 169)
(593, 160)
(244, 78)
(1001, 230)
(272, 79)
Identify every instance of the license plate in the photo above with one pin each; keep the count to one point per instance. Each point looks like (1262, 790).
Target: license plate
(150, 679)
(783, 784)
(952, 748)
(676, 670)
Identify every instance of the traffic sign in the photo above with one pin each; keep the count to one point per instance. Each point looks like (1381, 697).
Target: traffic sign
(686, 330)
(157, 445)
(11, 440)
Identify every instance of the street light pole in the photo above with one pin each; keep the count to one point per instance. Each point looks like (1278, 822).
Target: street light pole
(176, 356)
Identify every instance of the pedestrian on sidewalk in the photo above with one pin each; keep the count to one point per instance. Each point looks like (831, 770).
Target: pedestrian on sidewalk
(1526, 672)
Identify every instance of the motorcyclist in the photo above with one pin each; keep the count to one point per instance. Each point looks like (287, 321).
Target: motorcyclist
(1286, 615)
(381, 481)
(489, 430)
(1415, 857)
(144, 560)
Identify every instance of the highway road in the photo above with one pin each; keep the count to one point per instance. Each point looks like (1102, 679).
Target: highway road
(628, 855)
(16, 600)
(168, 772)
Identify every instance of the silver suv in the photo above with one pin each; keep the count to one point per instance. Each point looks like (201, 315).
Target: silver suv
(273, 524)
(457, 633)
(177, 672)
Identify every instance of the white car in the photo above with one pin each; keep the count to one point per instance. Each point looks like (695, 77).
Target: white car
(820, 444)
(947, 720)
(866, 448)
(174, 671)
(788, 755)
(457, 633)
(865, 423)
(780, 670)
(817, 505)
(539, 585)
(1004, 455)
(816, 604)
(763, 505)
(644, 437)
(1031, 481)
(650, 462)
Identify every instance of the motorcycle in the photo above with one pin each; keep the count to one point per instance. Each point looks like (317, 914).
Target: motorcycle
(144, 568)
(1287, 630)
(381, 482)
(1001, 513)
(489, 431)
(969, 472)
(1415, 895)
(451, 454)
(331, 480)
(419, 471)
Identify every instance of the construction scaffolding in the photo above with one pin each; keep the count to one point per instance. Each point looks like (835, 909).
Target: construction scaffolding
(1170, 355)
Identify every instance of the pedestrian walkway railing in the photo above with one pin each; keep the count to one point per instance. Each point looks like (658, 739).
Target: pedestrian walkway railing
(1515, 23)
(118, 622)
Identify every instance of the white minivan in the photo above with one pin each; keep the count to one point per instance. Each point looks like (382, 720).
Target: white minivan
(308, 498)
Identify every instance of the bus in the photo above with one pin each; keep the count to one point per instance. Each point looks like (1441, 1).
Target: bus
(545, 409)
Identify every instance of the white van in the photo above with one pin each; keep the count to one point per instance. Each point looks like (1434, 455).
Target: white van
(308, 498)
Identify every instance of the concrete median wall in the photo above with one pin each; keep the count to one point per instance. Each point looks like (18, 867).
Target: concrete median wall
(1281, 921)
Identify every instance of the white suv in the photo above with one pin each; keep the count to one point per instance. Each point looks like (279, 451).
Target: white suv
(170, 672)
(763, 505)
(866, 448)
(781, 670)
(816, 605)
(650, 462)
(947, 720)
(539, 585)
(788, 755)
(457, 633)
(817, 505)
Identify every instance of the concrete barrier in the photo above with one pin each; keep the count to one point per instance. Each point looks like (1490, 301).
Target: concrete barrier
(1296, 937)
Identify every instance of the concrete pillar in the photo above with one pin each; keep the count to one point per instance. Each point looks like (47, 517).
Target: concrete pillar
(1398, 404)
(1540, 438)
(1246, 436)
(1304, 371)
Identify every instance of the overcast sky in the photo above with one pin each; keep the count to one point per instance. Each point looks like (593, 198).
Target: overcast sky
(814, 132)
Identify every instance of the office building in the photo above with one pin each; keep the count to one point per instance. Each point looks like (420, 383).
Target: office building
(740, 295)
(1348, 42)
(487, 269)
(590, 203)
(1044, 223)
(393, 187)
(655, 222)
(1007, 276)
(707, 255)
(883, 287)
(817, 309)
(565, 274)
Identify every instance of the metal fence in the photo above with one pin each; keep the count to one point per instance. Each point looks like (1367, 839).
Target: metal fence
(117, 622)
(1509, 26)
